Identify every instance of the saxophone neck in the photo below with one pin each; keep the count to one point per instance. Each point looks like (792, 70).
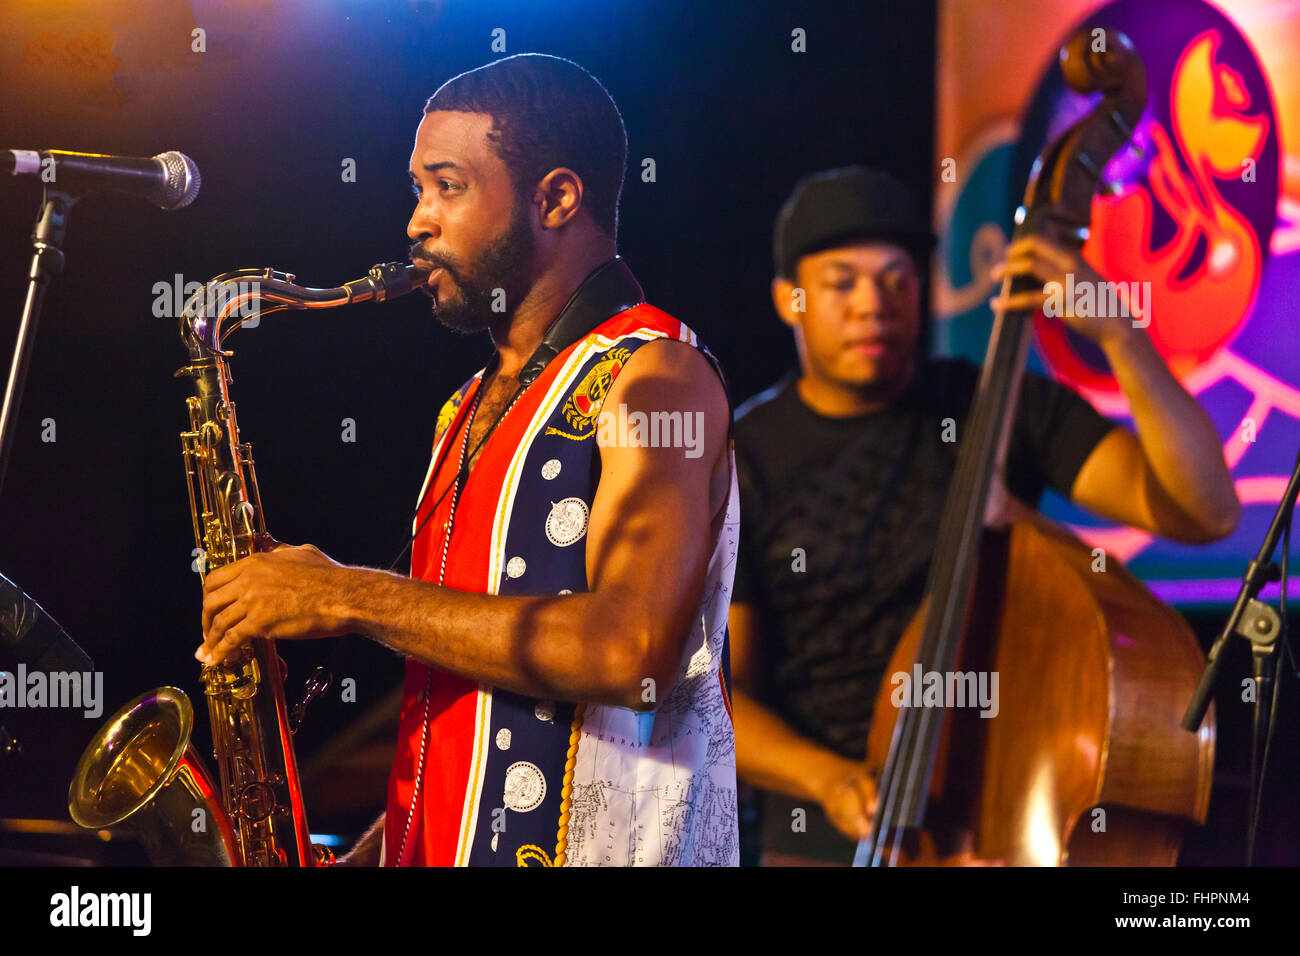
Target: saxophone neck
(231, 299)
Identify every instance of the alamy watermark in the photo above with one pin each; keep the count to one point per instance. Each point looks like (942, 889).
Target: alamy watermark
(1098, 299)
(951, 689)
(130, 910)
(235, 297)
(624, 429)
(74, 689)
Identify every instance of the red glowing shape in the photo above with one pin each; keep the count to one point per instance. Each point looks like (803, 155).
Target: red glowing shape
(1194, 310)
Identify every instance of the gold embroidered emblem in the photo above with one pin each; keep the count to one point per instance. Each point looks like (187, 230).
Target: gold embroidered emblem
(530, 851)
(447, 414)
(583, 404)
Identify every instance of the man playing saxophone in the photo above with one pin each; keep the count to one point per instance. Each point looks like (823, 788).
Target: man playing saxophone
(561, 705)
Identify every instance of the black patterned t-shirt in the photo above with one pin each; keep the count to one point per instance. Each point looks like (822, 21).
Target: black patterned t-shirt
(839, 517)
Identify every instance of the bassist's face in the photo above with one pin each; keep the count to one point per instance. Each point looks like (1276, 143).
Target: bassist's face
(861, 316)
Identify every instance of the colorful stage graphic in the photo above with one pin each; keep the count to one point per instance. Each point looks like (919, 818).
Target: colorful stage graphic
(1205, 206)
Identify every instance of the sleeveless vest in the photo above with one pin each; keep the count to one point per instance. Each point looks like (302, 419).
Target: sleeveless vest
(484, 776)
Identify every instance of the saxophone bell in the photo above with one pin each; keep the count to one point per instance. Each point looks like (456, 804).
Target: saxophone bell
(140, 770)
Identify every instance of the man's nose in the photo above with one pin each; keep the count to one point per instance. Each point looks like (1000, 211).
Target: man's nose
(868, 296)
(423, 224)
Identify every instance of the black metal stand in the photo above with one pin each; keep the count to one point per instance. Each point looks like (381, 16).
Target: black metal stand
(29, 635)
(47, 262)
(1258, 623)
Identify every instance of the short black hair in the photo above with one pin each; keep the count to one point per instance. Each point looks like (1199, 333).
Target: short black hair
(547, 112)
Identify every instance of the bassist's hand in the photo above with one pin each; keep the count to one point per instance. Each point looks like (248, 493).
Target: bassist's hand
(850, 802)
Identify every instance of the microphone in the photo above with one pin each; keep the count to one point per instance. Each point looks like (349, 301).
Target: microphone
(169, 180)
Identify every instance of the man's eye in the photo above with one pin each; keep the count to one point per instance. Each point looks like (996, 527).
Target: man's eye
(444, 185)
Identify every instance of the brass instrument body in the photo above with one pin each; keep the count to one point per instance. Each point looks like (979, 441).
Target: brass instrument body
(249, 719)
(140, 770)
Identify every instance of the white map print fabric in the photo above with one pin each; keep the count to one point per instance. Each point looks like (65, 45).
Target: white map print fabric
(659, 788)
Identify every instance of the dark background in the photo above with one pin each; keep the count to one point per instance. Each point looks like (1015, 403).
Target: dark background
(95, 525)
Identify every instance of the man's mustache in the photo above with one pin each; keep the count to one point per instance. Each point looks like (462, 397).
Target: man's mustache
(419, 256)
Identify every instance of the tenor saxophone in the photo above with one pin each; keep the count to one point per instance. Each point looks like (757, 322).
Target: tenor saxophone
(140, 770)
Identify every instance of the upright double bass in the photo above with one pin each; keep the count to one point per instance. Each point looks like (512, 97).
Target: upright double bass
(1084, 762)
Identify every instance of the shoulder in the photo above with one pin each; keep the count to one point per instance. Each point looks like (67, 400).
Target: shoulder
(667, 395)
(667, 350)
(772, 409)
(645, 321)
(668, 367)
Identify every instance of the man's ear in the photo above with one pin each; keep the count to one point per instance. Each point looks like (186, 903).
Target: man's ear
(785, 294)
(558, 196)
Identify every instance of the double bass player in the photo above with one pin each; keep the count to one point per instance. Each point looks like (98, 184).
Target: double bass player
(844, 466)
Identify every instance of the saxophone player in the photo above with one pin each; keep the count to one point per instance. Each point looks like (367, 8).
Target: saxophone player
(566, 699)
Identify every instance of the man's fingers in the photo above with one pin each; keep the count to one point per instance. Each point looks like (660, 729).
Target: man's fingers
(865, 790)
(867, 794)
(216, 652)
(214, 602)
(863, 800)
(223, 622)
(1038, 247)
(1021, 300)
(1041, 269)
(223, 575)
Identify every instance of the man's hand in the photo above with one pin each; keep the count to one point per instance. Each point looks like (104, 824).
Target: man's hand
(850, 802)
(1170, 478)
(367, 850)
(1045, 262)
(286, 593)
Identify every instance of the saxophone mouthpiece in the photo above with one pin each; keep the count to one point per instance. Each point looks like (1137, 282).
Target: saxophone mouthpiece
(388, 280)
(417, 273)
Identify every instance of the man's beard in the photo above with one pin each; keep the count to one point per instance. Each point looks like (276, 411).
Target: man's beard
(503, 266)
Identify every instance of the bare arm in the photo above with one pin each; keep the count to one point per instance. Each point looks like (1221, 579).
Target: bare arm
(1171, 477)
(647, 553)
(773, 755)
(366, 852)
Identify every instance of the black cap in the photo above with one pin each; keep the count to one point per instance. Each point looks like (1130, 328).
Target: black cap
(841, 205)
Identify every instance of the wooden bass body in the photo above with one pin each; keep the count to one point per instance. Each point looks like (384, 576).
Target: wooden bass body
(1084, 762)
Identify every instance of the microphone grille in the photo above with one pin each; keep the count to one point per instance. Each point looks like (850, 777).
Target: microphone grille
(182, 184)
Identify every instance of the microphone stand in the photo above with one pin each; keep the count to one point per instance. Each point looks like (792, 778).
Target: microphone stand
(47, 262)
(1260, 624)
